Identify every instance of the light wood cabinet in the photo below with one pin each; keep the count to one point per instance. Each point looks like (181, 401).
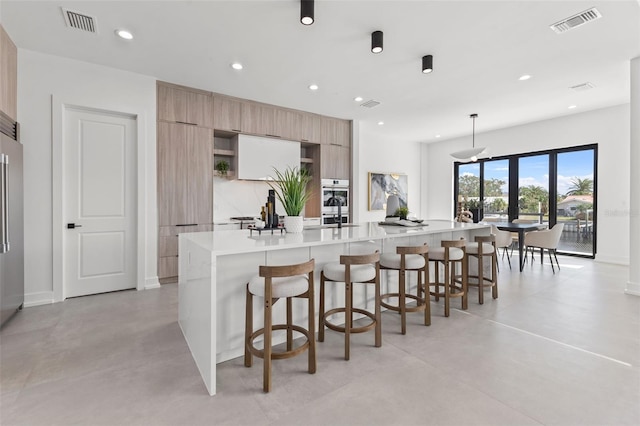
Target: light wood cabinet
(185, 174)
(288, 124)
(8, 76)
(168, 249)
(335, 162)
(258, 119)
(227, 113)
(334, 131)
(311, 125)
(184, 106)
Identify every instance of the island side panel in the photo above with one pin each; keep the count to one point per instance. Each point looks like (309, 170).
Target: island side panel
(197, 307)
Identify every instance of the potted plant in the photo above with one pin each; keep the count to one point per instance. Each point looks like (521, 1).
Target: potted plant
(402, 212)
(290, 187)
(473, 206)
(222, 167)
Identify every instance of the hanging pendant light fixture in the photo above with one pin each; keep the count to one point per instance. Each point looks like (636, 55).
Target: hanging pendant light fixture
(427, 64)
(306, 12)
(376, 41)
(470, 154)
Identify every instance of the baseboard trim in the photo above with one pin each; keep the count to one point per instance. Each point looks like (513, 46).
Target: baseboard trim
(632, 289)
(37, 299)
(151, 283)
(616, 260)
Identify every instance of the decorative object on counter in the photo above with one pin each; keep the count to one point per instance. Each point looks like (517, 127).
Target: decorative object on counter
(222, 167)
(290, 186)
(263, 214)
(474, 207)
(472, 153)
(402, 212)
(382, 185)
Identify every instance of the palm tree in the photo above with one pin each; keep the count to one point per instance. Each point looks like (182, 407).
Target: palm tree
(580, 186)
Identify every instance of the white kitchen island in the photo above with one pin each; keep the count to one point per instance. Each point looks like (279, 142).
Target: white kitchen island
(215, 267)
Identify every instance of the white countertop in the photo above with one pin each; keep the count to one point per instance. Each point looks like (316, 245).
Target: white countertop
(243, 241)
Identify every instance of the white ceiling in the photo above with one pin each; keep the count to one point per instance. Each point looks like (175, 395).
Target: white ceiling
(480, 49)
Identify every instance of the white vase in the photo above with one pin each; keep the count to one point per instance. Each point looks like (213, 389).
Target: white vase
(293, 224)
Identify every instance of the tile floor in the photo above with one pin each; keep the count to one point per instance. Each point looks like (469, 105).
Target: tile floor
(559, 349)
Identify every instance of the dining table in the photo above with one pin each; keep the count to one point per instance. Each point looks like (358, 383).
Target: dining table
(521, 229)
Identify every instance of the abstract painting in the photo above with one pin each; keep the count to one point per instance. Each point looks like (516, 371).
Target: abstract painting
(381, 185)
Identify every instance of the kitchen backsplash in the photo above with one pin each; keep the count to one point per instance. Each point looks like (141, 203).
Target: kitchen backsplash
(239, 198)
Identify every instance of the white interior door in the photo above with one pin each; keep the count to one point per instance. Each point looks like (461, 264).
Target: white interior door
(99, 184)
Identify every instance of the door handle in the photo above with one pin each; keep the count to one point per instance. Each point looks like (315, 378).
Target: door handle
(73, 226)
(4, 203)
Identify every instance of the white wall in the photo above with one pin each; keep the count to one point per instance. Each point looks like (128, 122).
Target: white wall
(608, 127)
(375, 153)
(39, 77)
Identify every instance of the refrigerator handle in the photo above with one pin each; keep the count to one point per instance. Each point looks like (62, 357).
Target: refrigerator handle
(4, 203)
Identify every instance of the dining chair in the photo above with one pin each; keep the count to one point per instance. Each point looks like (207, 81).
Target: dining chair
(547, 239)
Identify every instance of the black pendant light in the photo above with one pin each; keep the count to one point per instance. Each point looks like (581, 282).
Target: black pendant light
(306, 12)
(427, 64)
(376, 41)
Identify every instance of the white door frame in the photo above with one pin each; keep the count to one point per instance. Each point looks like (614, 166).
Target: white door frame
(58, 108)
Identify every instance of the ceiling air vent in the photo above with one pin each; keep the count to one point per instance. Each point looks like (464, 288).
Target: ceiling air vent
(79, 21)
(582, 87)
(576, 20)
(370, 104)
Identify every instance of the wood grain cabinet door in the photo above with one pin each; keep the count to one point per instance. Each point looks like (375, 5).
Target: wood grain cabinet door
(172, 173)
(335, 162)
(199, 109)
(199, 166)
(311, 124)
(227, 113)
(8, 76)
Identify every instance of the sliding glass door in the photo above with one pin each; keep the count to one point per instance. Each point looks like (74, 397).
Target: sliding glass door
(544, 187)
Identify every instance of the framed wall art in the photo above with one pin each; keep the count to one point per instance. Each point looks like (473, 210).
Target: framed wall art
(381, 185)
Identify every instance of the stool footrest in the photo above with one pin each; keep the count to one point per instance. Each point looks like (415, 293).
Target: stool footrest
(419, 307)
(341, 329)
(281, 354)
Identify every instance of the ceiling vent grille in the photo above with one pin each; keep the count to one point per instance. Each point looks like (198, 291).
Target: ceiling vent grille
(370, 104)
(79, 21)
(582, 87)
(576, 20)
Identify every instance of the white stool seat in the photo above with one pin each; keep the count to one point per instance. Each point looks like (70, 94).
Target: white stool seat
(280, 286)
(411, 261)
(335, 271)
(472, 248)
(437, 253)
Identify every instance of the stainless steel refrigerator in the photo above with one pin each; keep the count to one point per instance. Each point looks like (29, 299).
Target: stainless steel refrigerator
(11, 220)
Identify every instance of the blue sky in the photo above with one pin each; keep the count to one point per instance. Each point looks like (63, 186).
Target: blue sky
(535, 170)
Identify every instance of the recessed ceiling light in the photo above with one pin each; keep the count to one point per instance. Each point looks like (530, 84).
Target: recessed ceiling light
(524, 77)
(437, 136)
(380, 123)
(313, 87)
(124, 34)
(572, 106)
(236, 66)
(358, 99)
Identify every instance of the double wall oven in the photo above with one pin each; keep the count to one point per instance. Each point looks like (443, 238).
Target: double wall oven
(335, 192)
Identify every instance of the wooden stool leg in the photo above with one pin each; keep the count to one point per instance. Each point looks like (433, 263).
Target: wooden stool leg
(321, 325)
(402, 303)
(480, 277)
(267, 342)
(436, 279)
(465, 285)
(248, 329)
(427, 296)
(347, 318)
(378, 314)
(289, 323)
(449, 273)
(312, 331)
(494, 275)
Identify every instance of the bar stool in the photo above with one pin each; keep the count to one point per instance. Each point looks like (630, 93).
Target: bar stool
(484, 246)
(274, 283)
(411, 258)
(449, 254)
(350, 270)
